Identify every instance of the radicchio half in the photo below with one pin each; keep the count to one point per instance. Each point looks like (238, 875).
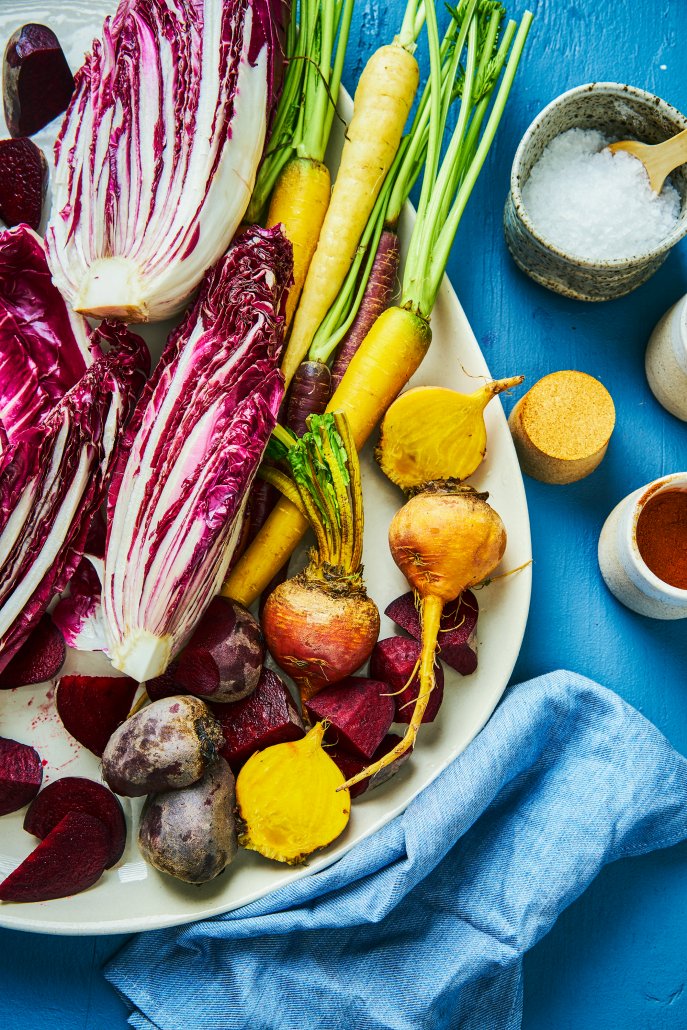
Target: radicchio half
(157, 156)
(54, 479)
(178, 496)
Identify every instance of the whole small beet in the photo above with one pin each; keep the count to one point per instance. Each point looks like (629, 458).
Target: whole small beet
(165, 746)
(191, 833)
(223, 659)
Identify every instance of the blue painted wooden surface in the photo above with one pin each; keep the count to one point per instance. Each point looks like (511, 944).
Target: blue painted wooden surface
(618, 957)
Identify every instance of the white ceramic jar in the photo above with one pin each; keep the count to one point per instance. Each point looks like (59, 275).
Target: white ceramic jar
(666, 360)
(626, 573)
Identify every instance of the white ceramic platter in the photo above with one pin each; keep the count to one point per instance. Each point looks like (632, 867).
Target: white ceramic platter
(133, 896)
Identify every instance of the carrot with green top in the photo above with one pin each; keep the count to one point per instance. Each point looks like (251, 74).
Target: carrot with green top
(400, 338)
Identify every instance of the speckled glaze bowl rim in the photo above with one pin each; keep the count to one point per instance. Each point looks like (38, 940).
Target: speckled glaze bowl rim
(673, 481)
(591, 88)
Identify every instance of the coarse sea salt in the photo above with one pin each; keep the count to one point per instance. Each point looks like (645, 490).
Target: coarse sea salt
(596, 205)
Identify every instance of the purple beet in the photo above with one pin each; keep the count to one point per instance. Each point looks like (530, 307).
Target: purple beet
(92, 707)
(458, 632)
(70, 859)
(37, 84)
(359, 712)
(223, 658)
(393, 661)
(77, 794)
(23, 181)
(38, 659)
(21, 774)
(310, 392)
(164, 685)
(269, 716)
(351, 765)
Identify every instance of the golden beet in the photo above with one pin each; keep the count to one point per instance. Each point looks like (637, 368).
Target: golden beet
(290, 799)
(432, 433)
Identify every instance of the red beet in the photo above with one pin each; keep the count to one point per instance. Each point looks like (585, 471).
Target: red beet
(70, 859)
(393, 661)
(223, 658)
(39, 659)
(21, 774)
(36, 81)
(269, 716)
(77, 794)
(164, 685)
(457, 635)
(92, 707)
(310, 392)
(23, 180)
(359, 712)
(351, 765)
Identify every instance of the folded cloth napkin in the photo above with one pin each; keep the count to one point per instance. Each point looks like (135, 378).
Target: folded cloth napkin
(424, 925)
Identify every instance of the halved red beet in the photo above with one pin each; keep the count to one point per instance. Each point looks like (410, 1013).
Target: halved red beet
(23, 180)
(39, 659)
(393, 661)
(92, 707)
(359, 712)
(77, 794)
(269, 716)
(351, 765)
(223, 658)
(457, 635)
(36, 81)
(21, 774)
(70, 859)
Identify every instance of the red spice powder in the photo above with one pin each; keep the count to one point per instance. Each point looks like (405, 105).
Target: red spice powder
(662, 536)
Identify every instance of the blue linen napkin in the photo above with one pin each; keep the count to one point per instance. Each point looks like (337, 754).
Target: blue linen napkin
(425, 924)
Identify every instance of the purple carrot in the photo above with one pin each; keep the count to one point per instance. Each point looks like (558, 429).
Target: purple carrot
(263, 497)
(379, 291)
(310, 392)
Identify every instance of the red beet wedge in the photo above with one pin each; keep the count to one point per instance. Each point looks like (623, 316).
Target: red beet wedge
(359, 712)
(23, 179)
(393, 661)
(457, 635)
(77, 794)
(92, 707)
(21, 774)
(39, 659)
(70, 859)
(269, 716)
(37, 84)
(351, 765)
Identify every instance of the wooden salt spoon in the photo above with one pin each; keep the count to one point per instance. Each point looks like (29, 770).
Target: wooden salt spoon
(659, 160)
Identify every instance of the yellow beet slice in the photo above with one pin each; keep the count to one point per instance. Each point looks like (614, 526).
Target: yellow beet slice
(288, 800)
(432, 433)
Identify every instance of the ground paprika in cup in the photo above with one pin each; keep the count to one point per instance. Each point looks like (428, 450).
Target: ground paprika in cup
(662, 536)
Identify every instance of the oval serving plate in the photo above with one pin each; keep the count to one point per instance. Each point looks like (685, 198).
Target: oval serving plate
(133, 896)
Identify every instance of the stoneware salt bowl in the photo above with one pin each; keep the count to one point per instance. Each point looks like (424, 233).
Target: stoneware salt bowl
(626, 573)
(666, 360)
(620, 112)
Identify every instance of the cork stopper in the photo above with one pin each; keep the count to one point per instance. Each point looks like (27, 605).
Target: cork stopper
(561, 427)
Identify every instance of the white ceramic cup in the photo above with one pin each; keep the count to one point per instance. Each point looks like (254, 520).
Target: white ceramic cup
(666, 360)
(626, 573)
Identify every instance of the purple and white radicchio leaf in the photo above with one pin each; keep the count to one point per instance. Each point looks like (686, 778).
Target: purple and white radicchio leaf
(44, 348)
(55, 481)
(190, 455)
(156, 159)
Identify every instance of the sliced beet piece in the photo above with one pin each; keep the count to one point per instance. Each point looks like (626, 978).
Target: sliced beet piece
(223, 658)
(359, 712)
(269, 716)
(92, 707)
(23, 180)
(37, 84)
(351, 765)
(21, 774)
(77, 794)
(70, 859)
(393, 661)
(458, 632)
(164, 685)
(38, 659)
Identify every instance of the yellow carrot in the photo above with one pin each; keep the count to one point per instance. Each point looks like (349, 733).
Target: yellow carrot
(383, 98)
(299, 203)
